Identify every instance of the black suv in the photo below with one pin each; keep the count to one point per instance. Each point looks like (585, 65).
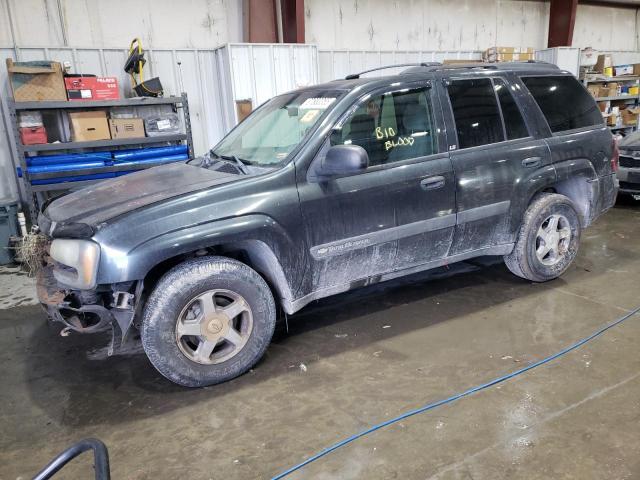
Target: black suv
(323, 190)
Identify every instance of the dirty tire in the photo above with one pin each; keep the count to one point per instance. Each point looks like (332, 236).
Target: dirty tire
(523, 260)
(175, 290)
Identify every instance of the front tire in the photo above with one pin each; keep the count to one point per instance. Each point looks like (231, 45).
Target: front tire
(208, 320)
(548, 239)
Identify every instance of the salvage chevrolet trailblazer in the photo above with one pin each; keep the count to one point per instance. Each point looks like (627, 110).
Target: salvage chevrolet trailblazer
(323, 190)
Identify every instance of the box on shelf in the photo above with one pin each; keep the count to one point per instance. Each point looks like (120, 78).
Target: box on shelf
(164, 124)
(594, 89)
(635, 90)
(630, 116)
(607, 91)
(30, 119)
(126, 127)
(604, 61)
(92, 88)
(623, 70)
(89, 126)
(33, 135)
(612, 120)
(508, 54)
(36, 81)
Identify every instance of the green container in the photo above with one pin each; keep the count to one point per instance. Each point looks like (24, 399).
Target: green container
(8, 228)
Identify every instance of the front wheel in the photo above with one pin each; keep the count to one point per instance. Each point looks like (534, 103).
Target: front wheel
(548, 239)
(208, 320)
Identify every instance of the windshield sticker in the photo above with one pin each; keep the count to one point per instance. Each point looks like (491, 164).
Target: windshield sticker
(310, 116)
(317, 103)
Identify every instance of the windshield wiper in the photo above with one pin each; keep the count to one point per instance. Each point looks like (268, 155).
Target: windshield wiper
(237, 162)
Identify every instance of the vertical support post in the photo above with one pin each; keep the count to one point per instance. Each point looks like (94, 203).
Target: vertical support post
(562, 18)
(187, 124)
(260, 21)
(292, 21)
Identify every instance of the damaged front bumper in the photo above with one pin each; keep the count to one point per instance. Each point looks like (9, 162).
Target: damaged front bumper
(89, 311)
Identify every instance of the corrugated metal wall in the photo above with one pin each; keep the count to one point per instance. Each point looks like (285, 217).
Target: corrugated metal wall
(213, 79)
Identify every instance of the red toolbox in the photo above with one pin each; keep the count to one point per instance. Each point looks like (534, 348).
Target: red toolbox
(92, 88)
(33, 135)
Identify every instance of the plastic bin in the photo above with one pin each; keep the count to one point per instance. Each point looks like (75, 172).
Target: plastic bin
(8, 228)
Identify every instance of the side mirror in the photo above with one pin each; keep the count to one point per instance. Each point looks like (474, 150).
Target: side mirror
(343, 160)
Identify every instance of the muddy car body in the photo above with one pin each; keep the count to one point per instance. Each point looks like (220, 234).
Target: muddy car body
(385, 177)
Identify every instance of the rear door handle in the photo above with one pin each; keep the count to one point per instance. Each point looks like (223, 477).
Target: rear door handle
(432, 183)
(532, 162)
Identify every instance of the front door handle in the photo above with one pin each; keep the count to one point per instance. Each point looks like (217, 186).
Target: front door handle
(432, 183)
(532, 162)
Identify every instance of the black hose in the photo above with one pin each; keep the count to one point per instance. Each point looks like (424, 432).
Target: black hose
(100, 458)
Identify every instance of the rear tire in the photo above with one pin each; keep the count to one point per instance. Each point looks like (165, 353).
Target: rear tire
(548, 239)
(209, 319)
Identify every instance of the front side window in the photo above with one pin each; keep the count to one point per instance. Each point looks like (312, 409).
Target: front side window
(475, 111)
(514, 125)
(391, 127)
(269, 134)
(564, 102)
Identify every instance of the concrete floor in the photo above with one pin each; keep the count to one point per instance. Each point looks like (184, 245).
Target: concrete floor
(354, 360)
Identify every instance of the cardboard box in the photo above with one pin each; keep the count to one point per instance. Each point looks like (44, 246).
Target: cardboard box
(126, 127)
(605, 91)
(603, 62)
(594, 89)
(92, 88)
(612, 120)
(508, 54)
(243, 109)
(36, 81)
(89, 126)
(628, 117)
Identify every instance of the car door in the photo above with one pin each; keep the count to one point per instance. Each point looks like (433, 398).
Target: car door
(355, 223)
(494, 153)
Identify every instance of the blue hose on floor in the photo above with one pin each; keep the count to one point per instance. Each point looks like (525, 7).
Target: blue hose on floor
(453, 398)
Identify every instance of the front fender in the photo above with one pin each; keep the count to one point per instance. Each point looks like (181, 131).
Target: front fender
(120, 266)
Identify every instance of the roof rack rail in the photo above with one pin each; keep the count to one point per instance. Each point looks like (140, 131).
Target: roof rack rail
(354, 76)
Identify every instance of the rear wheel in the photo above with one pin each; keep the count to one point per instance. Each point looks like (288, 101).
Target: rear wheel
(208, 320)
(548, 239)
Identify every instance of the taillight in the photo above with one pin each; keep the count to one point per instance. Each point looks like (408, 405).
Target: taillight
(615, 155)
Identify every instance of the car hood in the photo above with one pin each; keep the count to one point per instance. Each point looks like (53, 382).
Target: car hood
(97, 204)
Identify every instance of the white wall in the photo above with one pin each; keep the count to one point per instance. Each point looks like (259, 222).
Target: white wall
(425, 24)
(459, 25)
(169, 24)
(605, 28)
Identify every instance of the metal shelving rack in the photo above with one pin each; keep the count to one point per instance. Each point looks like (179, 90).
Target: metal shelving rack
(596, 78)
(35, 192)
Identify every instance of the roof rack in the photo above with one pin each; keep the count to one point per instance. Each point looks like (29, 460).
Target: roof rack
(354, 76)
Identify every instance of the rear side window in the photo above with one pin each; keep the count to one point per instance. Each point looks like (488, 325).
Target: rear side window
(513, 122)
(564, 103)
(476, 113)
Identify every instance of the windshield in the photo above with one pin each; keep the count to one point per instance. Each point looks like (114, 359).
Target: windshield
(269, 134)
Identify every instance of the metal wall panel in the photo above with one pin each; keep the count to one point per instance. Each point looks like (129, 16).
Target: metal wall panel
(340, 63)
(261, 71)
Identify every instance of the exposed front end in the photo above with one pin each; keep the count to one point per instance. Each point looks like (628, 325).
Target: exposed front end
(67, 288)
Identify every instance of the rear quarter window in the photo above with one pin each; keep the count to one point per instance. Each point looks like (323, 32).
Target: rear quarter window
(564, 102)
